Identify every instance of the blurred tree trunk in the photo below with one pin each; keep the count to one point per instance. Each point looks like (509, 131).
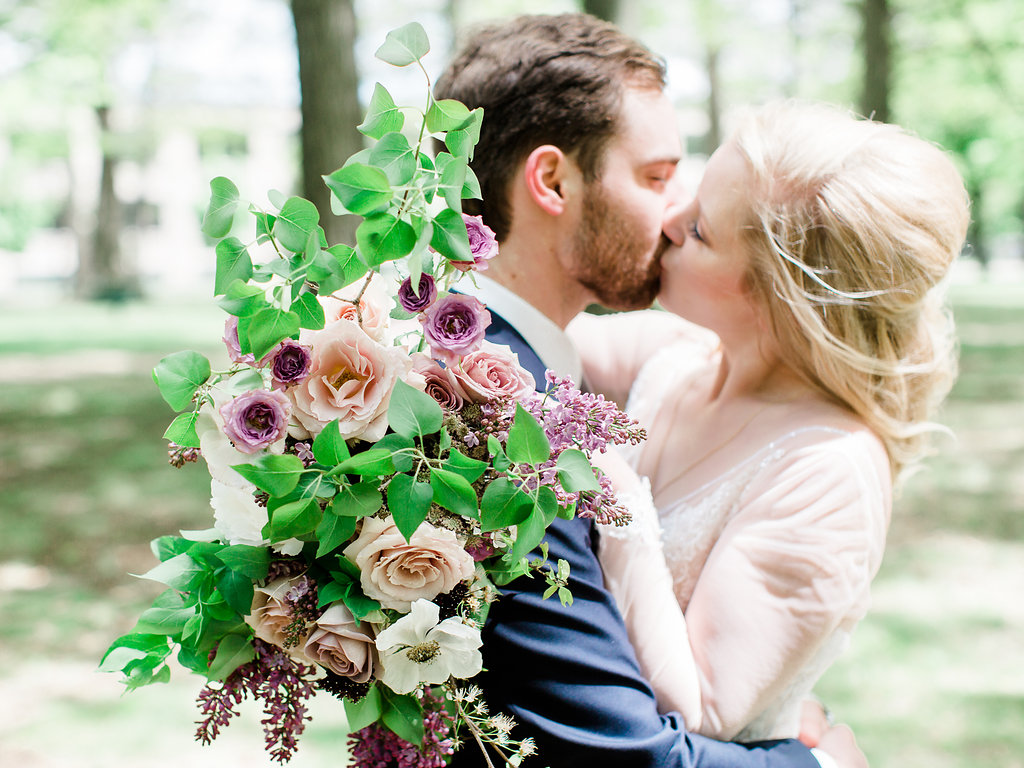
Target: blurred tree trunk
(325, 32)
(603, 9)
(876, 40)
(714, 135)
(977, 235)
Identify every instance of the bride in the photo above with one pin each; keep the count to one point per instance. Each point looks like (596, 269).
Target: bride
(814, 350)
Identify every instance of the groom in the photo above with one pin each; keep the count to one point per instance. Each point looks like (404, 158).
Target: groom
(577, 147)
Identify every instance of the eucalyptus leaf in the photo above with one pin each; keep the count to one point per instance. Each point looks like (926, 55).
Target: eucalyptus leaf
(233, 263)
(404, 45)
(382, 116)
(294, 519)
(453, 179)
(529, 534)
(179, 375)
(447, 115)
(460, 463)
(335, 268)
(220, 212)
(374, 462)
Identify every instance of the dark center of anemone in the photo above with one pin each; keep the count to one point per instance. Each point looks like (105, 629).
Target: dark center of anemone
(424, 652)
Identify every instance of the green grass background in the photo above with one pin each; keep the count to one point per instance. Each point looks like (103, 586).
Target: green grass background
(934, 676)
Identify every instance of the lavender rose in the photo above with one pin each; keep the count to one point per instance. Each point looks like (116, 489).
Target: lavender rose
(256, 419)
(397, 572)
(440, 382)
(289, 363)
(413, 303)
(231, 342)
(455, 326)
(342, 644)
(482, 243)
(493, 372)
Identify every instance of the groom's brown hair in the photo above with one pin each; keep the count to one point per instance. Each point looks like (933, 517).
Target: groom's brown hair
(543, 80)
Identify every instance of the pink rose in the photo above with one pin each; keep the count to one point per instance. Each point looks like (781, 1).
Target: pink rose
(351, 377)
(440, 382)
(397, 573)
(374, 306)
(482, 244)
(342, 644)
(272, 610)
(493, 372)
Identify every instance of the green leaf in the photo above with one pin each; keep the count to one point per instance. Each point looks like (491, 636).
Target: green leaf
(329, 447)
(183, 430)
(335, 268)
(453, 492)
(453, 179)
(166, 547)
(529, 534)
(220, 212)
(409, 502)
(462, 141)
(527, 443)
(163, 621)
(575, 472)
(447, 115)
(178, 376)
(399, 446)
(237, 591)
(393, 155)
(413, 413)
(450, 238)
(333, 531)
(309, 311)
(503, 504)
(404, 716)
(233, 263)
(382, 116)
(242, 299)
(273, 473)
(374, 462)
(404, 45)
(232, 652)
(250, 561)
(471, 187)
(261, 332)
(460, 463)
(293, 519)
(360, 605)
(180, 572)
(357, 500)
(499, 460)
(296, 221)
(361, 189)
(364, 712)
(381, 237)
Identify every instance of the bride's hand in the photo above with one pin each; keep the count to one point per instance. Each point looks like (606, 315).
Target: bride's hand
(624, 478)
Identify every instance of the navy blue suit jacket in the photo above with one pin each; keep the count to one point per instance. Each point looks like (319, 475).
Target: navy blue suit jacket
(568, 675)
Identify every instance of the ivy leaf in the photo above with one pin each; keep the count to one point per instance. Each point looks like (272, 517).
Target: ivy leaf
(233, 263)
(361, 189)
(183, 430)
(261, 332)
(220, 212)
(447, 115)
(233, 651)
(309, 311)
(404, 45)
(297, 219)
(382, 115)
(277, 474)
(178, 376)
(575, 472)
(403, 714)
(449, 237)
(333, 531)
(393, 155)
(527, 443)
(382, 237)
(453, 492)
(502, 505)
(413, 413)
(409, 501)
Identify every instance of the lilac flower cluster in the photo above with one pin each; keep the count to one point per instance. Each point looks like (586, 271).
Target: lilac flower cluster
(378, 747)
(279, 681)
(178, 456)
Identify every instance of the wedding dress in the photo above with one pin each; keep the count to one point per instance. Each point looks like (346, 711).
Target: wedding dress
(771, 561)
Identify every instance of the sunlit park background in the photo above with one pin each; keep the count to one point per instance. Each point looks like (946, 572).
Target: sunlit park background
(114, 115)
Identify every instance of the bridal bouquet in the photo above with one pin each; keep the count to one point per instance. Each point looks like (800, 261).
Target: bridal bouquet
(377, 466)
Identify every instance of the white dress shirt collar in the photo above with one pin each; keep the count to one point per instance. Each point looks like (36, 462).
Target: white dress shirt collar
(548, 340)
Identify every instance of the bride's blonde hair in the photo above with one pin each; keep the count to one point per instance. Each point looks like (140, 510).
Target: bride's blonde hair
(853, 226)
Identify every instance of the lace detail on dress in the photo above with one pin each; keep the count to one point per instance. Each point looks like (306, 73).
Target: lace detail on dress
(643, 527)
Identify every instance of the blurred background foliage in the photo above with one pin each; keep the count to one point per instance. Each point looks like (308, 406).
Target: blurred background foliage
(114, 115)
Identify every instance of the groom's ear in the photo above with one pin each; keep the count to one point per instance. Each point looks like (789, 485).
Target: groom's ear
(549, 176)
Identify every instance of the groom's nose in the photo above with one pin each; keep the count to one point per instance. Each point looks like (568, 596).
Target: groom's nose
(674, 223)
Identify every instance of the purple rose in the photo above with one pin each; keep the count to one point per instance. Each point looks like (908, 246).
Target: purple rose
(289, 363)
(255, 419)
(410, 301)
(231, 342)
(454, 326)
(482, 243)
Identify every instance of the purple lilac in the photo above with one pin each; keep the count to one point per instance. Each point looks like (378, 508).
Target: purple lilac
(289, 363)
(416, 301)
(279, 681)
(255, 419)
(482, 244)
(375, 746)
(454, 326)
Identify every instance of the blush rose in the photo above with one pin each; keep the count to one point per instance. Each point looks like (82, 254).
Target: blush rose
(493, 372)
(342, 645)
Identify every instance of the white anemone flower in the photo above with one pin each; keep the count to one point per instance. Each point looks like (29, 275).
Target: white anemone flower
(417, 649)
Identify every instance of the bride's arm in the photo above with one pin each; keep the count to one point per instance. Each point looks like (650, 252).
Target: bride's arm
(614, 347)
(790, 568)
(636, 575)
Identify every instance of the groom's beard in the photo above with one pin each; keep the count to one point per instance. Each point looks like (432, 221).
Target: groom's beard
(613, 256)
